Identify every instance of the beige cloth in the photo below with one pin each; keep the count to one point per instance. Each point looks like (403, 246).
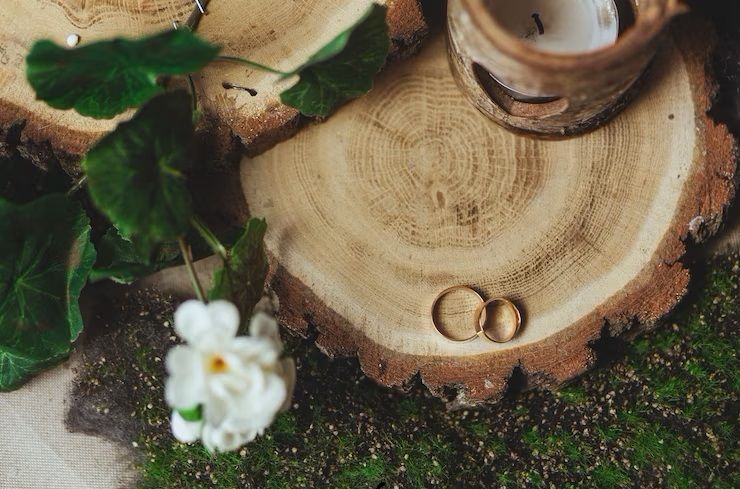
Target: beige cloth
(37, 451)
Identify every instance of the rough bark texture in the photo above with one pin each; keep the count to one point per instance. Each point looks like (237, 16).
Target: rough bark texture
(281, 34)
(591, 87)
(379, 208)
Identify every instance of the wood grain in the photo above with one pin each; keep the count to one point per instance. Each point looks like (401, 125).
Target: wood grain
(282, 34)
(411, 190)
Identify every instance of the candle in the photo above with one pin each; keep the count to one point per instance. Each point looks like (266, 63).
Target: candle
(564, 52)
(556, 26)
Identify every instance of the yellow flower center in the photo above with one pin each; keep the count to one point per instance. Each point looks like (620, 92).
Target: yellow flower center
(216, 364)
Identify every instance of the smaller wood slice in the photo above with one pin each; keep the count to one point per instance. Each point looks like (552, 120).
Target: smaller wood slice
(276, 33)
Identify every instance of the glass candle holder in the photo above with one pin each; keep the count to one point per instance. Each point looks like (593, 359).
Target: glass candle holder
(553, 67)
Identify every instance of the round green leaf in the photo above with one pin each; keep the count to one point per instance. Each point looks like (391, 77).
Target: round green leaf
(342, 69)
(104, 78)
(47, 257)
(135, 174)
(242, 278)
(124, 260)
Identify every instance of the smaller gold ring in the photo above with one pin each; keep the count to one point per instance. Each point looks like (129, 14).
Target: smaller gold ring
(436, 302)
(480, 328)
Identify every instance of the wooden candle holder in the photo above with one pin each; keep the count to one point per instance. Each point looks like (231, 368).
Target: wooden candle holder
(591, 87)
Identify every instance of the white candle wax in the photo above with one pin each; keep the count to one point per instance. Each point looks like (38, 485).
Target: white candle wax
(558, 26)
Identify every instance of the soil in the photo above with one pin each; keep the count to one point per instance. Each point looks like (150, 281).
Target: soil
(661, 412)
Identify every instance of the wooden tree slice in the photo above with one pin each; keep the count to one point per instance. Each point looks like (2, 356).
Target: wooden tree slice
(410, 190)
(277, 33)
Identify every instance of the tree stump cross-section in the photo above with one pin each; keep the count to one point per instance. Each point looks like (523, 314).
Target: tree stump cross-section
(410, 190)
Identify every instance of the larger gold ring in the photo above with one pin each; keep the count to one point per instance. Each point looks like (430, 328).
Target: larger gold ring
(434, 309)
(511, 328)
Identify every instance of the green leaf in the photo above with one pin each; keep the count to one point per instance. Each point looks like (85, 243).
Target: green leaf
(124, 260)
(105, 78)
(134, 174)
(344, 68)
(192, 414)
(46, 258)
(242, 279)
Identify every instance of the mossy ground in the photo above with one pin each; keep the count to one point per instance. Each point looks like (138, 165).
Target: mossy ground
(663, 412)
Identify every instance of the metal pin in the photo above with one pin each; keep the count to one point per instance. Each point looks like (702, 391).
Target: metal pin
(198, 12)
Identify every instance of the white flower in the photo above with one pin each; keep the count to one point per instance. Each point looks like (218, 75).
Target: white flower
(239, 382)
(186, 431)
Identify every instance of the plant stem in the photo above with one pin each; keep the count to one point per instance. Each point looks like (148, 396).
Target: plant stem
(192, 24)
(191, 83)
(209, 237)
(253, 64)
(77, 186)
(200, 294)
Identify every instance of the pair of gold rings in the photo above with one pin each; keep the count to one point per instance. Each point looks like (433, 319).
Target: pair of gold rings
(506, 320)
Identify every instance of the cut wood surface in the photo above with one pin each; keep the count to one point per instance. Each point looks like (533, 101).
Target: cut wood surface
(410, 190)
(280, 33)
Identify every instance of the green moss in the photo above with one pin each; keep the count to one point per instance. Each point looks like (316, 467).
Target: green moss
(675, 392)
(346, 445)
(368, 472)
(671, 390)
(285, 424)
(497, 446)
(423, 461)
(630, 417)
(478, 429)
(653, 446)
(520, 410)
(409, 407)
(144, 356)
(534, 440)
(560, 444)
(171, 466)
(575, 451)
(572, 394)
(505, 478)
(641, 346)
(534, 478)
(608, 433)
(610, 476)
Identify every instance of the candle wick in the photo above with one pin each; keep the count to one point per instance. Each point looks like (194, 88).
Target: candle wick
(540, 27)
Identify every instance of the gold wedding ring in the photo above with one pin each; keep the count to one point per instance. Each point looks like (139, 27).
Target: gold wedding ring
(478, 316)
(506, 324)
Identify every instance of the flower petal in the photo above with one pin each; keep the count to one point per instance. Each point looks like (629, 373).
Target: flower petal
(250, 349)
(185, 385)
(256, 411)
(183, 360)
(185, 431)
(221, 440)
(265, 326)
(216, 410)
(192, 321)
(183, 392)
(224, 319)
